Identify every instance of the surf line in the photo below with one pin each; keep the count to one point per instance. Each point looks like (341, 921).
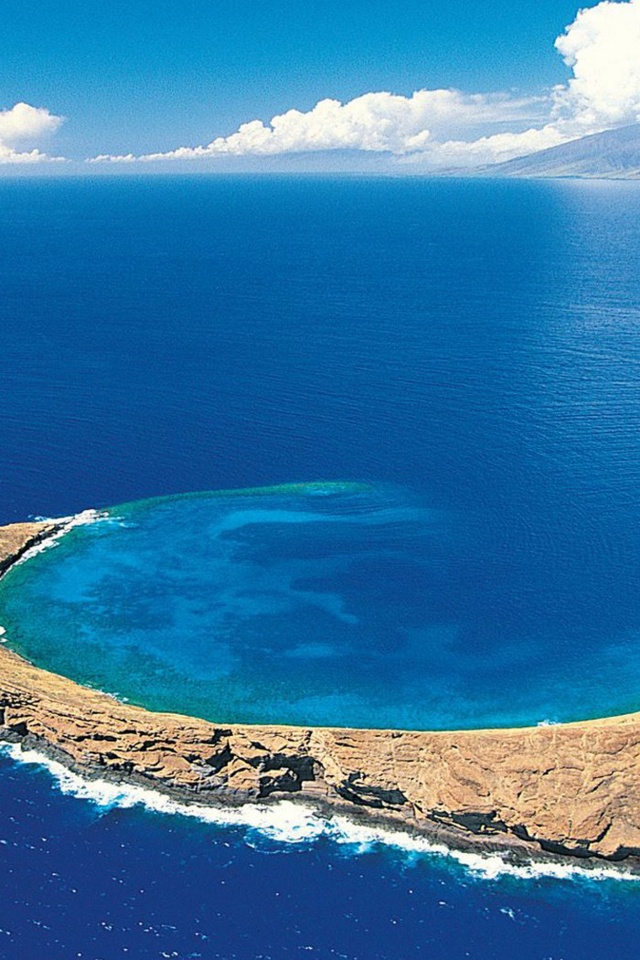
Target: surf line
(285, 822)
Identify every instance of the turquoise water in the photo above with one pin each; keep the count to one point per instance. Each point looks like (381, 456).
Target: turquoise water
(307, 603)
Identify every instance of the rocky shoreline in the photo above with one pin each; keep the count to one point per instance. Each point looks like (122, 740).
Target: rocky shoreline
(569, 790)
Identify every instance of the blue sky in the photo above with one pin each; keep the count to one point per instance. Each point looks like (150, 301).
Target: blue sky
(149, 77)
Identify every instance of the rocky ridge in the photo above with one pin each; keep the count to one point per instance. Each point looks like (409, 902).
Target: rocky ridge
(570, 789)
(610, 155)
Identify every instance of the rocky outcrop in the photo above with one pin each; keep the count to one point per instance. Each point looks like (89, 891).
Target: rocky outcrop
(566, 789)
(17, 538)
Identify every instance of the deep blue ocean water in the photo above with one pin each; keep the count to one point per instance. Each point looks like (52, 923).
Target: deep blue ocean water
(100, 882)
(473, 345)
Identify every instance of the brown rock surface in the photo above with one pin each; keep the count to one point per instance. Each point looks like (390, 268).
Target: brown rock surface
(570, 788)
(16, 539)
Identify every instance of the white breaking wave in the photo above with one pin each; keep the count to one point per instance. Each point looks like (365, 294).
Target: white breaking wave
(77, 520)
(290, 823)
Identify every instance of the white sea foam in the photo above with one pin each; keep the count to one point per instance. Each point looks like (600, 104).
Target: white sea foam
(286, 821)
(67, 523)
(292, 823)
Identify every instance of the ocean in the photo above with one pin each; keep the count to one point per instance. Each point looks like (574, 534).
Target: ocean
(467, 352)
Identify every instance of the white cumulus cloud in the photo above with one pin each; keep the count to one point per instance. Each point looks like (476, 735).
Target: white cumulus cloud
(379, 122)
(602, 47)
(375, 122)
(20, 123)
(448, 128)
(497, 148)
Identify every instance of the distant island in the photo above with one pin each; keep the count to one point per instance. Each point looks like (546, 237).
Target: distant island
(569, 790)
(611, 155)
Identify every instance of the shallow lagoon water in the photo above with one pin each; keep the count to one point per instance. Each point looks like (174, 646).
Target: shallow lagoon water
(301, 604)
(304, 603)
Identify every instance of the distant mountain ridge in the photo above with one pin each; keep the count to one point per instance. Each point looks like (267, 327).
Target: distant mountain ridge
(611, 155)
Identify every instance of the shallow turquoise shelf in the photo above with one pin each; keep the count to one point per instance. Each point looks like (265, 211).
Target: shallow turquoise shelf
(301, 604)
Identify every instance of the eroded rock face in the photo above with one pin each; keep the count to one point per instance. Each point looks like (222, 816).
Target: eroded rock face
(17, 538)
(570, 789)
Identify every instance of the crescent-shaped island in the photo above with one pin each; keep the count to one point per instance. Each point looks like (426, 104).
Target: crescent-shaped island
(568, 790)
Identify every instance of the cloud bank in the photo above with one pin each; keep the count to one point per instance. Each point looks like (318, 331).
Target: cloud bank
(24, 122)
(375, 122)
(441, 128)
